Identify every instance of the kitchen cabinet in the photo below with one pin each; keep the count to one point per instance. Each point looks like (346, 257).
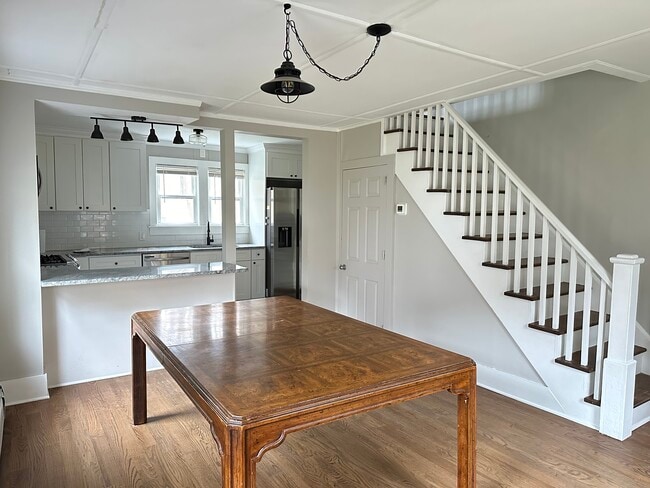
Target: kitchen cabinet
(81, 171)
(201, 257)
(118, 261)
(251, 283)
(128, 164)
(45, 160)
(283, 165)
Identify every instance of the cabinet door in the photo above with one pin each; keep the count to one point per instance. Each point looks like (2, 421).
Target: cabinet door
(45, 158)
(282, 165)
(202, 257)
(95, 175)
(68, 174)
(243, 282)
(121, 261)
(258, 278)
(129, 176)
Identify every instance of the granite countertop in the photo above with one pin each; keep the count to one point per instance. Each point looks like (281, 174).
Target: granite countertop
(101, 251)
(69, 275)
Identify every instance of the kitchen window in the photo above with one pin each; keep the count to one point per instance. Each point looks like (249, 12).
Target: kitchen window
(185, 194)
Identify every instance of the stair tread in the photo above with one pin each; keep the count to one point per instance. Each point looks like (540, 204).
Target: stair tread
(591, 358)
(524, 263)
(392, 131)
(641, 391)
(488, 213)
(406, 149)
(449, 170)
(562, 326)
(488, 237)
(446, 190)
(550, 290)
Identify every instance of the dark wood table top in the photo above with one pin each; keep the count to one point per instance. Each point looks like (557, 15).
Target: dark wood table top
(259, 359)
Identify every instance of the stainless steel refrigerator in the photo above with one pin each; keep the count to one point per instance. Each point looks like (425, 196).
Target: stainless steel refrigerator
(283, 237)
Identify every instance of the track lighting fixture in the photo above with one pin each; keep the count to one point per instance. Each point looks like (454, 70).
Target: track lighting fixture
(198, 138)
(178, 139)
(287, 85)
(97, 134)
(136, 119)
(152, 135)
(126, 135)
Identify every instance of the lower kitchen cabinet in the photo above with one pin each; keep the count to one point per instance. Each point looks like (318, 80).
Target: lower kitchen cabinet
(120, 261)
(258, 278)
(251, 283)
(202, 257)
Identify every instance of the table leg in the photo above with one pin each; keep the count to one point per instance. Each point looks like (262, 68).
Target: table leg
(139, 379)
(237, 466)
(467, 435)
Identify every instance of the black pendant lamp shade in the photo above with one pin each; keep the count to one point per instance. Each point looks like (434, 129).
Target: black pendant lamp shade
(152, 135)
(97, 134)
(178, 139)
(126, 135)
(287, 85)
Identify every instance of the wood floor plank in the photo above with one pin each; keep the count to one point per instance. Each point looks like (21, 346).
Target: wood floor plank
(83, 437)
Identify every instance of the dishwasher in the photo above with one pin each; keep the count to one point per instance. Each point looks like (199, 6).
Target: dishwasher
(165, 258)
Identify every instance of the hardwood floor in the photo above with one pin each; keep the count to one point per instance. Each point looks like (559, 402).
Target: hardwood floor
(83, 436)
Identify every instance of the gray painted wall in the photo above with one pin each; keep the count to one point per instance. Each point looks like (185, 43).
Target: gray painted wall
(21, 346)
(581, 144)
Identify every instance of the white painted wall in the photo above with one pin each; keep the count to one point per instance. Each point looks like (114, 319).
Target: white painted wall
(21, 342)
(581, 144)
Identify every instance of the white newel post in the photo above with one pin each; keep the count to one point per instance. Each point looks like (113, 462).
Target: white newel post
(619, 367)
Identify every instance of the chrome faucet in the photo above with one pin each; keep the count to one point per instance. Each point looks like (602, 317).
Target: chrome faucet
(210, 239)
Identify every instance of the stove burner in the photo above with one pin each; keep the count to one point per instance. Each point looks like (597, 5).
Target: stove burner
(52, 260)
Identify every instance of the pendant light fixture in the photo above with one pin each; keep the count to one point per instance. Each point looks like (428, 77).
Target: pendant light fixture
(97, 134)
(287, 85)
(126, 135)
(198, 138)
(178, 139)
(152, 135)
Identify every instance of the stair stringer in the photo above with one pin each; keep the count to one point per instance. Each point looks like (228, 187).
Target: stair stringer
(567, 387)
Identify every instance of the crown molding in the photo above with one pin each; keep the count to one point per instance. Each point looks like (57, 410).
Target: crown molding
(274, 123)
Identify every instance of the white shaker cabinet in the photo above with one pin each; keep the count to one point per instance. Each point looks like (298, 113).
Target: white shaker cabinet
(258, 278)
(95, 169)
(118, 261)
(45, 159)
(68, 173)
(203, 257)
(283, 164)
(251, 283)
(128, 176)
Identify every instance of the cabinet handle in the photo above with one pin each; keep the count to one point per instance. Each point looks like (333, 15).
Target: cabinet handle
(87, 208)
(51, 208)
(115, 264)
(113, 208)
(80, 208)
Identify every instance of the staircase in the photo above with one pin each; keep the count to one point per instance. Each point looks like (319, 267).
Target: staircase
(554, 298)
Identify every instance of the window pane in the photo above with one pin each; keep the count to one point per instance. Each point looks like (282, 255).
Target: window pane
(239, 187)
(238, 213)
(214, 185)
(215, 211)
(174, 184)
(177, 211)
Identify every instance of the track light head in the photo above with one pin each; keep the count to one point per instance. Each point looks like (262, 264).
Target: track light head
(97, 133)
(126, 135)
(152, 135)
(178, 139)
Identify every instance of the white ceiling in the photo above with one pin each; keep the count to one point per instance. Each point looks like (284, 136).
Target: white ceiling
(215, 54)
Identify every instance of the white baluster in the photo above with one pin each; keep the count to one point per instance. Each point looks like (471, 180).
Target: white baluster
(472, 190)
(420, 138)
(463, 174)
(531, 248)
(412, 128)
(495, 212)
(519, 224)
(436, 148)
(570, 322)
(402, 136)
(454, 169)
(484, 185)
(505, 249)
(543, 276)
(619, 368)
(445, 152)
(600, 340)
(557, 280)
(586, 317)
(429, 134)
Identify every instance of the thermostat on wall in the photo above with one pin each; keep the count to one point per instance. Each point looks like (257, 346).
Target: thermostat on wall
(400, 208)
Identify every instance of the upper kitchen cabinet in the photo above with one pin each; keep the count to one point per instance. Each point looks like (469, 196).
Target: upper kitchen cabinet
(128, 176)
(95, 165)
(81, 174)
(45, 160)
(283, 161)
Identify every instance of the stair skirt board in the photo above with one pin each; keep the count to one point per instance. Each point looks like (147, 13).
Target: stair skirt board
(528, 392)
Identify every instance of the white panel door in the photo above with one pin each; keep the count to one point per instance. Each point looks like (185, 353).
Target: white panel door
(363, 238)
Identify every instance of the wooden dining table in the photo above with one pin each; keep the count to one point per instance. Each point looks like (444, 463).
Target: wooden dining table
(260, 369)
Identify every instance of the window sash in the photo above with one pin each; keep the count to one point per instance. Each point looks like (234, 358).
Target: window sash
(187, 194)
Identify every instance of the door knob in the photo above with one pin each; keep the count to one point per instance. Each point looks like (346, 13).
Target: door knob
(342, 267)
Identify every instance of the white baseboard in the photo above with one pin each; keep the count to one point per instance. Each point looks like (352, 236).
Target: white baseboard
(23, 390)
(641, 415)
(537, 395)
(99, 378)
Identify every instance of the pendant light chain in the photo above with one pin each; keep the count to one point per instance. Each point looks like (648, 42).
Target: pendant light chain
(292, 24)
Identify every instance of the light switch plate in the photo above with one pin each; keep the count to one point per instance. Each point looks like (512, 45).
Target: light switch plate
(400, 208)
